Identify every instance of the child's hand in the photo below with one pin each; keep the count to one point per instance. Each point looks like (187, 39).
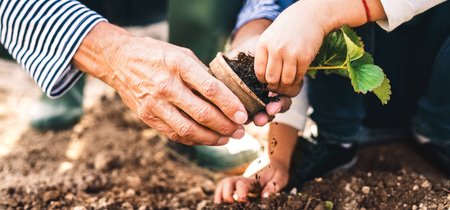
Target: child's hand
(271, 179)
(287, 48)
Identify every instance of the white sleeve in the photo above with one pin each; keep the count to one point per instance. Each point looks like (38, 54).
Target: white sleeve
(43, 36)
(296, 116)
(401, 11)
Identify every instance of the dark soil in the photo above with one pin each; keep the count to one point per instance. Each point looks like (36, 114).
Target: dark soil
(111, 160)
(243, 66)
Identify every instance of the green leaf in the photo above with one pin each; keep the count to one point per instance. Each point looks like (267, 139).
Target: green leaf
(365, 59)
(329, 205)
(383, 92)
(312, 73)
(352, 35)
(365, 77)
(354, 51)
(331, 51)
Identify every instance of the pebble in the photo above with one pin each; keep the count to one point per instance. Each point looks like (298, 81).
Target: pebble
(143, 207)
(208, 186)
(130, 193)
(425, 184)
(415, 187)
(365, 190)
(127, 205)
(79, 208)
(202, 204)
(293, 191)
(318, 179)
(414, 207)
(50, 196)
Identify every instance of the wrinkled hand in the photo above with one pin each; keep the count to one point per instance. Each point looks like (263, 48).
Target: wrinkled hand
(287, 48)
(167, 86)
(272, 179)
(248, 45)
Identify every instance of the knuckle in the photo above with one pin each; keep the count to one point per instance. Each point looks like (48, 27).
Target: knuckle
(163, 88)
(210, 87)
(186, 131)
(203, 114)
(187, 51)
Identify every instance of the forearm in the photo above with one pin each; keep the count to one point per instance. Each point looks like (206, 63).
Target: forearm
(282, 141)
(250, 30)
(339, 12)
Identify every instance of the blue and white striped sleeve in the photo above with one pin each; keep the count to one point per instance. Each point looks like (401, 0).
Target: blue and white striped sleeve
(259, 9)
(43, 36)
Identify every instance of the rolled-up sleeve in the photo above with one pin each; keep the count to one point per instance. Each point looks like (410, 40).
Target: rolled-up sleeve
(401, 11)
(43, 36)
(258, 9)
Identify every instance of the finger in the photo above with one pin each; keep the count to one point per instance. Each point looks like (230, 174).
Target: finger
(261, 119)
(273, 71)
(261, 62)
(289, 72)
(280, 106)
(301, 71)
(213, 90)
(187, 129)
(289, 91)
(242, 189)
(274, 185)
(207, 115)
(228, 190)
(218, 192)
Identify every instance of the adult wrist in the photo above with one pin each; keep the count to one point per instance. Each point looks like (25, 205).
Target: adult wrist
(98, 53)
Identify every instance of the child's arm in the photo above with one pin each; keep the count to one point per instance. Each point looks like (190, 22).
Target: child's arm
(287, 48)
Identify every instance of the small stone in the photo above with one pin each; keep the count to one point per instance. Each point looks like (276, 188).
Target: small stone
(143, 207)
(79, 208)
(202, 204)
(425, 184)
(134, 181)
(208, 186)
(369, 174)
(55, 205)
(414, 207)
(293, 191)
(365, 190)
(415, 187)
(50, 196)
(69, 197)
(362, 208)
(320, 207)
(130, 193)
(127, 205)
(318, 179)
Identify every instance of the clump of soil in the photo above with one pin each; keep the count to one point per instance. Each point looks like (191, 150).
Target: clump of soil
(243, 66)
(111, 160)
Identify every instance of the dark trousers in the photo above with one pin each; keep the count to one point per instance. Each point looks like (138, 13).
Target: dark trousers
(416, 58)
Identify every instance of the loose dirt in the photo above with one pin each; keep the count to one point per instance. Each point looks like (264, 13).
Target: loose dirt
(243, 66)
(111, 160)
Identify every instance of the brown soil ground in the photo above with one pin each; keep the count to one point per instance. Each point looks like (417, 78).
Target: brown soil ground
(110, 160)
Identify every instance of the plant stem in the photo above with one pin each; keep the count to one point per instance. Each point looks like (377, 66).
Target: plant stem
(326, 67)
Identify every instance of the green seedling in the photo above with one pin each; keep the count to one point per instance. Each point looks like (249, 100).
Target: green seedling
(342, 52)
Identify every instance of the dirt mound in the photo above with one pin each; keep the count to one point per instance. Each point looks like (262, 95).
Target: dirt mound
(110, 160)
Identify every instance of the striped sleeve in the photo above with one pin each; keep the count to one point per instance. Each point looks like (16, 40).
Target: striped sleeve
(43, 36)
(258, 9)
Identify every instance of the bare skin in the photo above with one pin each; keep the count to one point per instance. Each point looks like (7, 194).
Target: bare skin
(245, 40)
(272, 178)
(285, 50)
(166, 85)
(283, 53)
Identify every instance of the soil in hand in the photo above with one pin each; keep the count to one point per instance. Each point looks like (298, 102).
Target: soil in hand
(243, 66)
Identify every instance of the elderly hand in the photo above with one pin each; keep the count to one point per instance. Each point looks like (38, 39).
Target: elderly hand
(166, 85)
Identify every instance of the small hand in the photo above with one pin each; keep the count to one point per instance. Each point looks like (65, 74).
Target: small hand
(271, 179)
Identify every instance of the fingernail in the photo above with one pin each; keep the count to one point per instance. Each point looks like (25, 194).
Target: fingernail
(266, 195)
(238, 134)
(223, 141)
(240, 117)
